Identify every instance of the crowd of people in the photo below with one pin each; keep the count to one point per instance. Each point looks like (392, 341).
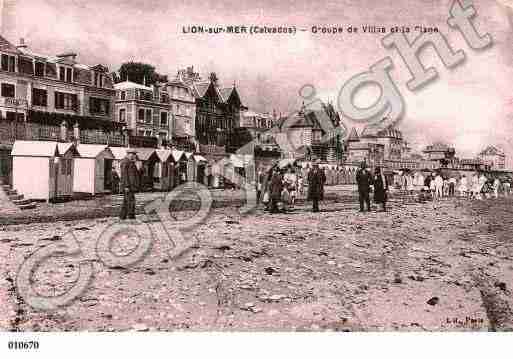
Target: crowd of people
(437, 185)
(278, 188)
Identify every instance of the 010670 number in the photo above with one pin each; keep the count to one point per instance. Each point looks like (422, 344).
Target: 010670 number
(19, 345)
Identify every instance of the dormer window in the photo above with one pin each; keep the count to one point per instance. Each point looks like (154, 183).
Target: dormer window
(40, 69)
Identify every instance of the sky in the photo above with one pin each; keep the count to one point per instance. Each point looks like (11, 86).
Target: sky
(469, 107)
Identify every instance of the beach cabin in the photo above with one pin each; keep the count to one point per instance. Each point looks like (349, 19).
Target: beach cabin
(164, 171)
(181, 162)
(93, 169)
(43, 170)
(201, 169)
(146, 162)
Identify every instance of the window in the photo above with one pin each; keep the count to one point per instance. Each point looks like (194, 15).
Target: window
(40, 69)
(163, 119)
(66, 74)
(69, 75)
(39, 97)
(122, 115)
(65, 101)
(98, 79)
(122, 95)
(140, 116)
(11, 116)
(148, 115)
(8, 63)
(99, 106)
(8, 90)
(164, 98)
(148, 134)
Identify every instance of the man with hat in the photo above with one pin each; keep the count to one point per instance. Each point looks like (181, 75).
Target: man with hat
(316, 179)
(129, 184)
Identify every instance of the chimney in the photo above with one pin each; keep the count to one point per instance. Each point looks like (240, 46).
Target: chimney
(64, 131)
(22, 44)
(76, 133)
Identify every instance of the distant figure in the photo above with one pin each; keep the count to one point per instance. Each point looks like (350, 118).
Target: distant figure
(364, 181)
(259, 185)
(452, 186)
(496, 186)
(316, 180)
(380, 188)
(276, 188)
(130, 184)
(114, 182)
(439, 185)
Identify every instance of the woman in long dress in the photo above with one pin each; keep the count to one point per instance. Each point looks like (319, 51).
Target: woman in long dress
(463, 187)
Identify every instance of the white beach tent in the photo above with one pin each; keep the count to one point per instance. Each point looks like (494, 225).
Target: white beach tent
(164, 170)
(93, 170)
(41, 171)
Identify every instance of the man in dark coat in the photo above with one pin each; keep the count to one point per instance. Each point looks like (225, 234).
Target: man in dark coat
(364, 181)
(129, 185)
(316, 179)
(380, 188)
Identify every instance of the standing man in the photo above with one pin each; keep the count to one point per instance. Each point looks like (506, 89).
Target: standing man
(316, 181)
(129, 184)
(364, 180)
(380, 188)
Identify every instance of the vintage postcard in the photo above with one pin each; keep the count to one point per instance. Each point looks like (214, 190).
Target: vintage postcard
(255, 166)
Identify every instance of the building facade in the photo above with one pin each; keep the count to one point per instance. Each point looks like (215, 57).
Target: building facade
(145, 111)
(493, 158)
(218, 111)
(183, 110)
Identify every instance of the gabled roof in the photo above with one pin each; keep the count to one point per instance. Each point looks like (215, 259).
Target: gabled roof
(145, 154)
(164, 155)
(225, 93)
(200, 89)
(491, 151)
(118, 152)
(92, 151)
(126, 85)
(35, 148)
(178, 155)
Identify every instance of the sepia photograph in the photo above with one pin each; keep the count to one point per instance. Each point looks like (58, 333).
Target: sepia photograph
(260, 168)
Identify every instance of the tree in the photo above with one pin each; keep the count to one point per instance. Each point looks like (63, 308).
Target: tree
(140, 73)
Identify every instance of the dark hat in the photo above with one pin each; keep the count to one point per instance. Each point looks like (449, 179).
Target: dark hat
(131, 150)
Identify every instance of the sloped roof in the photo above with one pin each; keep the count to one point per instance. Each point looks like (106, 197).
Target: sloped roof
(7, 46)
(126, 85)
(64, 147)
(92, 151)
(35, 148)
